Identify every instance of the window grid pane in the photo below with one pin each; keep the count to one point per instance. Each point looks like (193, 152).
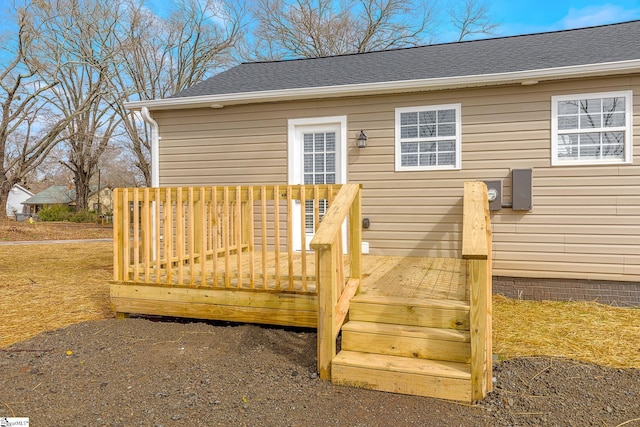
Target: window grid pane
(591, 113)
(436, 153)
(426, 138)
(319, 168)
(591, 129)
(309, 219)
(430, 132)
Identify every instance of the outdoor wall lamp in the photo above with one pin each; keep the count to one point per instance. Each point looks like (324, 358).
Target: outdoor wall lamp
(362, 139)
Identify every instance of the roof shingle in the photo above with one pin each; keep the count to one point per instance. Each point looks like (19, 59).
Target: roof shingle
(593, 45)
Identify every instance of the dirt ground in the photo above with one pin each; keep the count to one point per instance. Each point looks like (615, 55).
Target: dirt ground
(139, 372)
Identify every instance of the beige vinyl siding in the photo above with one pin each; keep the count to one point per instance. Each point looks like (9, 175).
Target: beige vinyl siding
(585, 221)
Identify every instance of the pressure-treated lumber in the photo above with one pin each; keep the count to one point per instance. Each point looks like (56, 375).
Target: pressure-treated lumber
(407, 341)
(429, 313)
(271, 308)
(476, 246)
(474, 227)
(479, 329)
(192, 252)
(334, 292)
(420, 377)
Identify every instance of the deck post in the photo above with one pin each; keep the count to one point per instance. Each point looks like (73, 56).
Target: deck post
(146, 227)
(118, 227)
(126, 235)
(479, 328)
(326, 276)
(333, 293)
(476, 248)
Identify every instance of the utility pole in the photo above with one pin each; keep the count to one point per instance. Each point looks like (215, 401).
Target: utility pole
(99, 189)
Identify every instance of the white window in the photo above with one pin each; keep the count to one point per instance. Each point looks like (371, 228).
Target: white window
(591, 128)
(428, 137)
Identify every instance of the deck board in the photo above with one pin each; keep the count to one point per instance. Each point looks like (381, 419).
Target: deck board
(415, 277)
(393, 276)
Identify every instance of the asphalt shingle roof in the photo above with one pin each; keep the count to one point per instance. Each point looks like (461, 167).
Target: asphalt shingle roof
(56, 195)
(594, 45)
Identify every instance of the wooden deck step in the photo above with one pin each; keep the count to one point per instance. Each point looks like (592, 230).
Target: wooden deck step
(407, 341)
(434, 313)
(419, 377)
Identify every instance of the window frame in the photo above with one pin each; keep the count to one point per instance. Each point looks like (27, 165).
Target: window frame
(627, 128)
(458, 137)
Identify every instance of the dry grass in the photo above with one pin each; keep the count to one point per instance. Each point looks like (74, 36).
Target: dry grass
(585, 331)
(12, 231)
(46, 287)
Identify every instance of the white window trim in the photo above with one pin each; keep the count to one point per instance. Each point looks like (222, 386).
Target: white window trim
(458, 137)
(294, 167)
(628, 144)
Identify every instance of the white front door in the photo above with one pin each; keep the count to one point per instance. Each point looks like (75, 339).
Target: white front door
(317, 155)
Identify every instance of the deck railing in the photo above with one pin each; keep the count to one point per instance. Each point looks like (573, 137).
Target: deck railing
(335, 290)
(220, 237)
(476, 247)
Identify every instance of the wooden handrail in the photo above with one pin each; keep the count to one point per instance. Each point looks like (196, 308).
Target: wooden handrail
(175, 236)
(476, 247)
(334, 290)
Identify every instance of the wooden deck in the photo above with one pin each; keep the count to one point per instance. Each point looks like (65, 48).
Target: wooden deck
(410, 325)
(391, 276)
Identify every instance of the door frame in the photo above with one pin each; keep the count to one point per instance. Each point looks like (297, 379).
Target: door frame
(295, 161)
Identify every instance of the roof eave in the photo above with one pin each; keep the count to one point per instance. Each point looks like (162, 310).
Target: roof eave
(456, 82)
(24, 190)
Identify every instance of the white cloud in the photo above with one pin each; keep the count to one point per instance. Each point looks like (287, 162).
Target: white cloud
(598, 15)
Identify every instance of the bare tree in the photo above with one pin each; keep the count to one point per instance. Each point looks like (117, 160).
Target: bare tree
(471, 18)
(76, 48)
(313, 28)
(162, 56)
(28, 131)
(117, 168)
(50, 172)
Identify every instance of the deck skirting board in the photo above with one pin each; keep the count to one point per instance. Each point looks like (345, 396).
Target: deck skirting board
(299, 310)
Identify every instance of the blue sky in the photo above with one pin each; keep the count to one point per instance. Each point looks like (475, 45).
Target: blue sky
(513, 16)
(527, 16)
(532, 16)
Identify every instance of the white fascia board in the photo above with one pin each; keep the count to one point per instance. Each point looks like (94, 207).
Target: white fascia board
(525, 77)
(24, 190)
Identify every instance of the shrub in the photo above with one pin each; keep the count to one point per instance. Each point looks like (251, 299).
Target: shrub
(84, 216)
(55, 213)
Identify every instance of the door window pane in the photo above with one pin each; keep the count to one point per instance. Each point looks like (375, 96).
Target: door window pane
(319, 168)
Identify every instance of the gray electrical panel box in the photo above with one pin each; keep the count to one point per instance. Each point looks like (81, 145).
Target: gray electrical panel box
(522, 189)
(495, 204)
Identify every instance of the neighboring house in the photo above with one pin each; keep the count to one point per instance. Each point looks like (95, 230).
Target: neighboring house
(102, 201)
(54, 195)
(561, 104)
(17, 195)
(63, 195)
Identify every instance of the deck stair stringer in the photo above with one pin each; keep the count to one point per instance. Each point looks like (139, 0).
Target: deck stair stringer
(406, 345)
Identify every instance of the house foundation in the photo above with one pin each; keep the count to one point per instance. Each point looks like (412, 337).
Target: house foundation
(621, 294)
